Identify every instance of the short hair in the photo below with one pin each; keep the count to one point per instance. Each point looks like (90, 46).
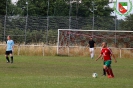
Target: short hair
(9, 36)
(105, 43)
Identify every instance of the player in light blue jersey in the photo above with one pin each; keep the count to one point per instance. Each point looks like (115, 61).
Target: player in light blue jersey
(9, 49)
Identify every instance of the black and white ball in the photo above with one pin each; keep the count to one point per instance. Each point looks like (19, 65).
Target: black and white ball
(94, 75)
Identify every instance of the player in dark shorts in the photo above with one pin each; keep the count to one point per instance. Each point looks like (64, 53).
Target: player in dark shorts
(9, 49)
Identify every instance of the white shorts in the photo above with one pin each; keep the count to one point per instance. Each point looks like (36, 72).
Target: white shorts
(91, 49)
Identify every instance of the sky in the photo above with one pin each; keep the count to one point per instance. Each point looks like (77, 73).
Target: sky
(13, 1)
(111, 5)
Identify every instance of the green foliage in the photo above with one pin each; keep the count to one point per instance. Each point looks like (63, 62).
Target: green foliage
(34, 36)
(19, 38)
(62, 8)
(127, 23)
(1, 31)
(81, 15)
(2, 7)
(37, 27)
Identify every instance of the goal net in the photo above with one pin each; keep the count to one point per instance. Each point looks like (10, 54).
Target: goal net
(73, 41)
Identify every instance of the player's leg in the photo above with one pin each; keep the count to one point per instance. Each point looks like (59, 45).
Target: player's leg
(106, 69)
(111, 72)
(11, 56)
(6, 55)
(108, 64)
(104, 72)
(91, 52)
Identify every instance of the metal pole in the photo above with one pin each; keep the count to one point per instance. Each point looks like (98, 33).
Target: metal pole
(54, 7)
(70, 9)
(26, 21)
(58, 43)
(5, 23)
(77, 5)
(120, 53)
(47, 23)
(115, 27)
(93, 18)
(111, 1)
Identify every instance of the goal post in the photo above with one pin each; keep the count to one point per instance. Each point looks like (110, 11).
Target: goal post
(74, 41)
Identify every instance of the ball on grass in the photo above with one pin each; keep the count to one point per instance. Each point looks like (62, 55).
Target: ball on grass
(94, 75)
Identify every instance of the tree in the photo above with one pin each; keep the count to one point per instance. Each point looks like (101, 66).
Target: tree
(101, 8)
(62, 8)
(127, 23)
(7, 5)
(81, 17)
(35, 7)
(2, 7)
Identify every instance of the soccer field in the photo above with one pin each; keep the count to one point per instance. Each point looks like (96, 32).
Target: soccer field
(63, 72)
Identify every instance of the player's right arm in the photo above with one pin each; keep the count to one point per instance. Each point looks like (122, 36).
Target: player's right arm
(5, 45)
(99, 57)
(95, 45)
(12, 45)
(88, 45)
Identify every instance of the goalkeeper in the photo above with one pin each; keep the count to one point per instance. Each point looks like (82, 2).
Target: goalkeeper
(91, 45)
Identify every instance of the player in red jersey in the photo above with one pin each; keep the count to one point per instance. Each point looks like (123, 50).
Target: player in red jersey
(106, 53)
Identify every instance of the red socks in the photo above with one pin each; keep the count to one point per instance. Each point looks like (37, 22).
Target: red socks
(111, 72)
(107, 71)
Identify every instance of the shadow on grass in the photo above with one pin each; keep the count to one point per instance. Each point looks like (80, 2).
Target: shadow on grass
(61, 55)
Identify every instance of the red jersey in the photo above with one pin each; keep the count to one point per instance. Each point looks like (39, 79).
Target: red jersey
(106, 52)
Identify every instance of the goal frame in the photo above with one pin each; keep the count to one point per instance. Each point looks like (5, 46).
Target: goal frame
(114, 31)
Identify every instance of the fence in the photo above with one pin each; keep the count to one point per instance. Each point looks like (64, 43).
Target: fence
(44, 29)
(44, 50)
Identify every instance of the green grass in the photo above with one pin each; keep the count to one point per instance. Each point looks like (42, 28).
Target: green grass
(62, 72)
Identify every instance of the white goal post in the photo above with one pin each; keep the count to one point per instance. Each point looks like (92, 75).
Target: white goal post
(71, 41)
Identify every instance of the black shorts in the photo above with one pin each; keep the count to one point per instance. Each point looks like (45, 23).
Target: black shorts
(8, 52)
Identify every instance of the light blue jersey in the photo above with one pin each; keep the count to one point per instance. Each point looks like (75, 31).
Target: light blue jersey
(10, 44)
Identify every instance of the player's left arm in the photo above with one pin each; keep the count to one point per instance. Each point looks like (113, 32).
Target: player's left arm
(12, 45)
(112, 55)
(94, 45)
(6, 45)
(88, 45)
(13, 48)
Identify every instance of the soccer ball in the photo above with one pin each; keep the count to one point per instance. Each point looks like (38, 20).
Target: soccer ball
(94, 75)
